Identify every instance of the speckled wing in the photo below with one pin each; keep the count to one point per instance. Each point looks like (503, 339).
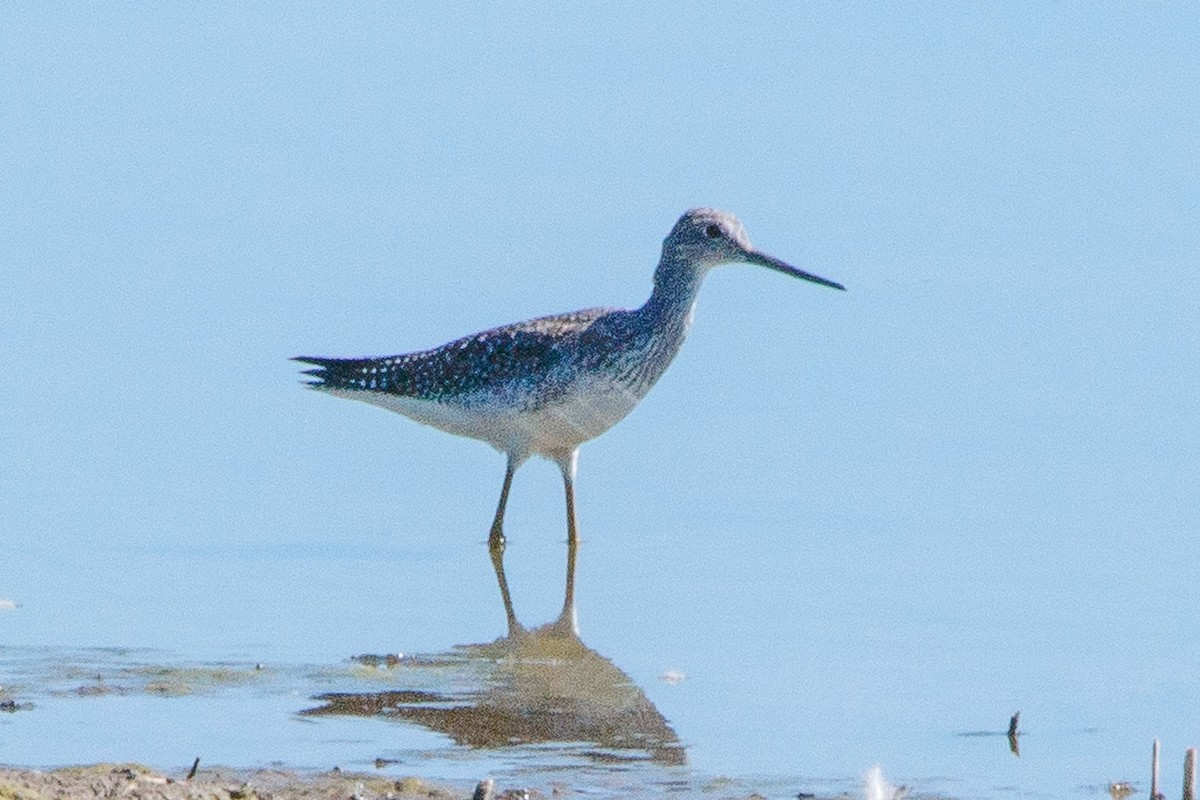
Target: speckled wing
(510, 359)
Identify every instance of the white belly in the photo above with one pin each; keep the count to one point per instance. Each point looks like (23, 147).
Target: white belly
(553, 430)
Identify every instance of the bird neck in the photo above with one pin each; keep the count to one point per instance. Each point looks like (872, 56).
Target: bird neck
(676, 285)
(656, 330)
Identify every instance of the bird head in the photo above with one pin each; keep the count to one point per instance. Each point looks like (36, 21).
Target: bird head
(704, 238)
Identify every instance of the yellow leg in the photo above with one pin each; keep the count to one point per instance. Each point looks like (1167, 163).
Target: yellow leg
(496, 551)
(567, 619)
(496, 538)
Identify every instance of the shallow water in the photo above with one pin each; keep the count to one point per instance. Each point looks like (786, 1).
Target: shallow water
(747, 677)
(844, 529)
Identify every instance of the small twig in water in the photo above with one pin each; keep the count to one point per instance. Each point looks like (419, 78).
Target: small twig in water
(1013, 744)
(1189, 775)
(1154, 793)
(485, 789)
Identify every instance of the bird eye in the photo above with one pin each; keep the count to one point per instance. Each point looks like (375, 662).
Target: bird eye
(713, 231)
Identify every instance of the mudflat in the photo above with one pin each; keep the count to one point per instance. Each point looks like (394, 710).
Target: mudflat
(138, 782)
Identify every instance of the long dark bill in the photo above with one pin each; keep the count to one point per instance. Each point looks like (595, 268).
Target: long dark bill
(764, 260)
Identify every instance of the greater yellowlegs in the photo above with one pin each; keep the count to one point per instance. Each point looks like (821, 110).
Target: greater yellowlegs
(547, 385)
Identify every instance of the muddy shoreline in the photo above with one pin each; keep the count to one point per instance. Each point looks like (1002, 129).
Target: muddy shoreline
(139, 782)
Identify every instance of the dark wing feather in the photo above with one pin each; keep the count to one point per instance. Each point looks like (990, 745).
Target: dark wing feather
(514, 356)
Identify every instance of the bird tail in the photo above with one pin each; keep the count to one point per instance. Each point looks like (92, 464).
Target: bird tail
(341, 373)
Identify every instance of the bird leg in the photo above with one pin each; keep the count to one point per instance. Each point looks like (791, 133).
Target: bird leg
(496, 538)
(497, 554)
(496, 551)
(567, 619)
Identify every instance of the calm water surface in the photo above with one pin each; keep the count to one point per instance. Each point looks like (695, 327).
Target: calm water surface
(758, 658)
(852, 529)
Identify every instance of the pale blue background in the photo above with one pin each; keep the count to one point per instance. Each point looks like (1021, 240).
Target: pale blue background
(968, 485)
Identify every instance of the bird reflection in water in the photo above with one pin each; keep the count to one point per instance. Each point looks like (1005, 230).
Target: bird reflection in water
(535, 686)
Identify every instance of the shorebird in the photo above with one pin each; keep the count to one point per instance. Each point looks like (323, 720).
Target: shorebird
(547, 385)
